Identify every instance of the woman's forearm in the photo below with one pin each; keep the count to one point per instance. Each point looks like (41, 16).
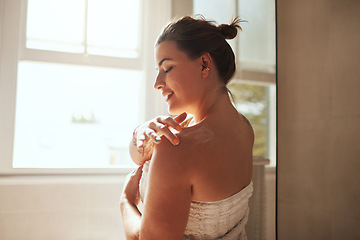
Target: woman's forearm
(131, 217)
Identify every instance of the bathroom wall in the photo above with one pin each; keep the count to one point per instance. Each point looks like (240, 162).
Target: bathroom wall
(60, 208)
(318, 119)
(78, 207)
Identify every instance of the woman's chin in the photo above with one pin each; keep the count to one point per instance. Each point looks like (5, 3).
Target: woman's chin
(174, 110)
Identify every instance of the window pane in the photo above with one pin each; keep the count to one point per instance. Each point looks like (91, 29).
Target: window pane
(74, 116)
(113, 27)
(210, 10)
(56, 25)
(257, 40)
(251, 101)
(99, 27)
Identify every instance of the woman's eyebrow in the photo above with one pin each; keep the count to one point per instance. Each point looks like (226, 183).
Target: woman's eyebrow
(161, 62)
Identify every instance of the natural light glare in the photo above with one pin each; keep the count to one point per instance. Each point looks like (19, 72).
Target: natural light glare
(113, 27)
(257, 40)
(74, 116)
(56, 25)
(210, 10)
(97, 27)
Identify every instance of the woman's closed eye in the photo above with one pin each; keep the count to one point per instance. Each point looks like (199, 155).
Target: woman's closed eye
(166, 71)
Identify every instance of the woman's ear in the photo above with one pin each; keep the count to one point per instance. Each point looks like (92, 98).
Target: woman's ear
(207, 64)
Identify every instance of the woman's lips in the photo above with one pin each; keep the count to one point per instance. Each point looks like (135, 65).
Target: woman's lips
(168, 96)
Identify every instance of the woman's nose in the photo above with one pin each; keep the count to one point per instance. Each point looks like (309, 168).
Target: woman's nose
(159, 83)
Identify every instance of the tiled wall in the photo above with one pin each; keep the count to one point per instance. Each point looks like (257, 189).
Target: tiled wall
(318, 119)
(60, 208)
(75, 208)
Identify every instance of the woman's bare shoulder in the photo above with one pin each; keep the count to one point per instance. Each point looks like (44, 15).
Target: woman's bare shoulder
(171, 159)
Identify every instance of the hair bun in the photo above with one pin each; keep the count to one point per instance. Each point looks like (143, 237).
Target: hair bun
(230, 31)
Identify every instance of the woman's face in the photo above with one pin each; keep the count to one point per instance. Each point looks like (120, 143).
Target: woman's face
(179, 78)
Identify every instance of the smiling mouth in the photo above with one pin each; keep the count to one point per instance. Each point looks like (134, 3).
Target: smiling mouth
(169, 96)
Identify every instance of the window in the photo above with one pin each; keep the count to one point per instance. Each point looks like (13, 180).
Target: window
(253, 86)
(74, 116)
(90, 26)
(252, 101)
(69, 115)
(76, 79)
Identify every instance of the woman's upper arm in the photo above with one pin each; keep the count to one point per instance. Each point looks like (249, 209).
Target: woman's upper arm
(168, 194)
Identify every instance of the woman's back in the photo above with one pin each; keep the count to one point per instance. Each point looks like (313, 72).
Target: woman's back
(216, 156)
(220, 155)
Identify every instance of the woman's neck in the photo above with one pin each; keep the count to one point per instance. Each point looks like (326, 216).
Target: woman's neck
(212, 102)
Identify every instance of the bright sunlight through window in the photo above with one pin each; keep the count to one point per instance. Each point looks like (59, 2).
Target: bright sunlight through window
(100, 27)
(78, 115)
(72, 116)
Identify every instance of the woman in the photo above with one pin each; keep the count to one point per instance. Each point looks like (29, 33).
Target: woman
(198, 179)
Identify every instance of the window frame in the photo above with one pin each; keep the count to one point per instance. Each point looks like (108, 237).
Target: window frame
(13, 49)
(28, 54)
(263, 74)
(267, 79)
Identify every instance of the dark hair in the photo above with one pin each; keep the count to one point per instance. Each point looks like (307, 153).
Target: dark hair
(198, 36)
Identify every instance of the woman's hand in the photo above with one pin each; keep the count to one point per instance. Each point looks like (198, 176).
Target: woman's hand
(149, 133)
(154, 129)
(130, 193)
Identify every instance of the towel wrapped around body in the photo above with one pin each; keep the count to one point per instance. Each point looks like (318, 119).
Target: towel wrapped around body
(224, 219)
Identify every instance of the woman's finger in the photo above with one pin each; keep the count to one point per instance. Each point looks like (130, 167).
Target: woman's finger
(163, 130)
(153, 135)
(170, 122)
(138, 172)
(131, 185)
(133, 178)
(180, 118)
(140, 141)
